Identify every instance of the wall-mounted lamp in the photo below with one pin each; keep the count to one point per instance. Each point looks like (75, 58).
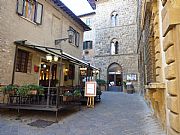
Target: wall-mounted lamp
(56, 58)
(49, 57)
(70, 37)
(66, 70)
(83, 68)
(95, 71)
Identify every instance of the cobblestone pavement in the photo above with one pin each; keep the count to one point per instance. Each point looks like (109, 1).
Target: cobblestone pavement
(117, 114)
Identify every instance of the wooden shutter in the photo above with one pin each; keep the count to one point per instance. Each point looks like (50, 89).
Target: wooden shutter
(90, 47)
(84, 45)
(20, 7)
(38, 13)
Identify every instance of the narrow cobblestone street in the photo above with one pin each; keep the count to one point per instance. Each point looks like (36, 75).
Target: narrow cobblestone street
(117, 114)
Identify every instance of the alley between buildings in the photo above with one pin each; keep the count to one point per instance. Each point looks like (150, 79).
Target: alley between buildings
(117, 114)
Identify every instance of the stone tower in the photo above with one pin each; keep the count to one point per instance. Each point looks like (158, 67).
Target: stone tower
(115, 48)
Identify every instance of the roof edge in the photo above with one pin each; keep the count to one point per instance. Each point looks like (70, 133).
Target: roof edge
(92, 4)
(87, 14)
(65, 9)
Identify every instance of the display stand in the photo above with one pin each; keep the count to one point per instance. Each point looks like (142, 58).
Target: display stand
(90, 102)
(90, 93)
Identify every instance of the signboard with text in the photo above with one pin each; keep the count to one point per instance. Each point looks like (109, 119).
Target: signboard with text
(90, 89)
(131, 77)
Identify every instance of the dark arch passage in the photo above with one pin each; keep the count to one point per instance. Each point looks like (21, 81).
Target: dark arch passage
(114, 77)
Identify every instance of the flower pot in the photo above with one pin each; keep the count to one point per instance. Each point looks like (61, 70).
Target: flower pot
(67, 98)
(77, 98)
(32, 92)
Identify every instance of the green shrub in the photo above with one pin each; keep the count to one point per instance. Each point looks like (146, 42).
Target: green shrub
(39, 88)
(67, 93)
(77, 92)
(100, 81)
(23, 90)
(9, 88)
(98, 92)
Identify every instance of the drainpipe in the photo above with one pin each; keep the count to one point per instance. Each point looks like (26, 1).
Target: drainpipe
(14, 66)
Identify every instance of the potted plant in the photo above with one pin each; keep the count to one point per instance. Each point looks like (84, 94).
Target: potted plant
(10, 89)
(23, 90)
(77, 94)
(102, 84)
(35, 89)
(124, 87)
(67, 96)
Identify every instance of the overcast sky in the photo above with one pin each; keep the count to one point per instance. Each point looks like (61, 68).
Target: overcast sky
(78, 6)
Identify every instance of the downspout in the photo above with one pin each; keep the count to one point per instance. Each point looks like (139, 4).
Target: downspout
(14, 66)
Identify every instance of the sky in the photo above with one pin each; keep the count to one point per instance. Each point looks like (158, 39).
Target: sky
(78, 7)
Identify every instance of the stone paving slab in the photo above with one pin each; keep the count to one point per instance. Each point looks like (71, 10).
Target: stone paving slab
(117, 114)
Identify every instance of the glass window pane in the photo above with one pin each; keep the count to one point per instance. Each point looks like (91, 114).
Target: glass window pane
(112, 48)
(20, 7)
(38, 13)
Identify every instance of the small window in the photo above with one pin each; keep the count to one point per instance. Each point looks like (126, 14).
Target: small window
(114, 18)
(88, 21)
(76, 37)
(22, 61)
(114, 47)
(30, 9)
(38, 15)
(87, 45)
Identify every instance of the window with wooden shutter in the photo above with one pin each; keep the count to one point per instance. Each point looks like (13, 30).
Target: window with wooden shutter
(87, 45)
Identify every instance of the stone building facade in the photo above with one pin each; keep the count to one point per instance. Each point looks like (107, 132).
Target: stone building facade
(89, 37)
(159, 27)
(115, 47)
(39, 23)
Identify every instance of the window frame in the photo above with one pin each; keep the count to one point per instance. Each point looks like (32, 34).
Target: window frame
(88, 22)
(87, 45)
(76, 37)
(115, 44)
(114, 18)
(22, 11)
(21, 61)
(35, 16)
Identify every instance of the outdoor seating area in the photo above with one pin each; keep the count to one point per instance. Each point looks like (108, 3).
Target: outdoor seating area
(34, 97)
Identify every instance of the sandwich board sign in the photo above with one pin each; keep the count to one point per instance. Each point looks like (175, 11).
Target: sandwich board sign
(90, 89)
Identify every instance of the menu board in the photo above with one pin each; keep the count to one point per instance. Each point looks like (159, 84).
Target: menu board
(90, 89)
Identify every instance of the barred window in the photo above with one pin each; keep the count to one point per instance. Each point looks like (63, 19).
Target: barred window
(23, 61)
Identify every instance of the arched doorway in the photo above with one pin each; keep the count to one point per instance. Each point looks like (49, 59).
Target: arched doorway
(115, 79)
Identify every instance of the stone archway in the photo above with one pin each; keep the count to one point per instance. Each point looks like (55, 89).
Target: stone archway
(114, 77)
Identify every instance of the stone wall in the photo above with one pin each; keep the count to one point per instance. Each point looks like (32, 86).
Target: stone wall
(129, 64)
(125, 32)
(88, 54)
(171, 43)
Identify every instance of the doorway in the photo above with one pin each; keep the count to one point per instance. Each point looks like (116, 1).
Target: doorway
(115, 79)
(45, 74)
